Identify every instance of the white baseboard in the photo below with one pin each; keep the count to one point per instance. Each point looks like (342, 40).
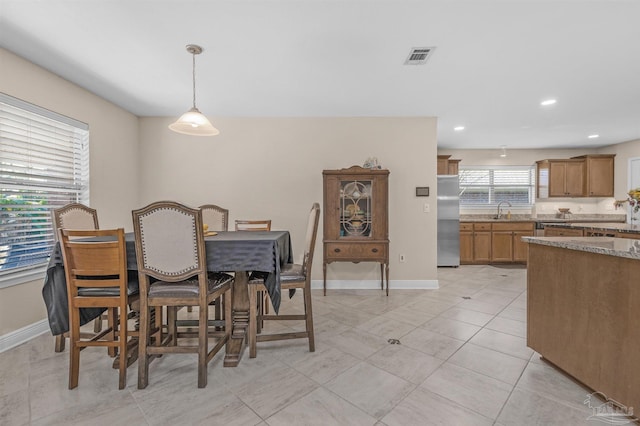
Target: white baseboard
(22, 335)
(375, 284)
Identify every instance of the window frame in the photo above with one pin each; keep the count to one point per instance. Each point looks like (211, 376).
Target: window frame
(25, 129)
(492, 186)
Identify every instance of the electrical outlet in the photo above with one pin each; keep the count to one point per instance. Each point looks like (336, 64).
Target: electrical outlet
(402, 258)
(426, 208)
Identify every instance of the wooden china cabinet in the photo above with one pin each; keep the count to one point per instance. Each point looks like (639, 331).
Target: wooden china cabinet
(356, 218)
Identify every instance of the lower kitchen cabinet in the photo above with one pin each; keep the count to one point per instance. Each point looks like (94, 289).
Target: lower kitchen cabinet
(562, 232)
(494, 242)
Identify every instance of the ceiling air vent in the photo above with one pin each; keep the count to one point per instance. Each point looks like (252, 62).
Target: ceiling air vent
(419, 55)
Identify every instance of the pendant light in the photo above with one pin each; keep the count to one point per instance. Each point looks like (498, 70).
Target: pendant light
(193, 122)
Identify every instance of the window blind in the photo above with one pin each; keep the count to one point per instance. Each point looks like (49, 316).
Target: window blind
(488, 186)
(44, 164)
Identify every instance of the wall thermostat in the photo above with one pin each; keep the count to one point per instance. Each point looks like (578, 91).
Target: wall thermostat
(422, 191)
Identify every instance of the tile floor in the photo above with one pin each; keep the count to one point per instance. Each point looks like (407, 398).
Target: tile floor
(462, 360)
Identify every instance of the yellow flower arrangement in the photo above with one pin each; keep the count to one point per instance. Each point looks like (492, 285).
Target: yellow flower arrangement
(634, 199)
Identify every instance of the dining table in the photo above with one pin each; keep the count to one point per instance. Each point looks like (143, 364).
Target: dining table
(241, 252)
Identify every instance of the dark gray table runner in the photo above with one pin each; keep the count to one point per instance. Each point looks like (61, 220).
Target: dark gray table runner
(264, 251)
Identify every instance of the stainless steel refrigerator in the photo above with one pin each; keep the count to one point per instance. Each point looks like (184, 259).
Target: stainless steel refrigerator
(448, 221)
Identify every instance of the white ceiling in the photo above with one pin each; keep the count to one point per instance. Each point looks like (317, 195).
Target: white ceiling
(495, 61)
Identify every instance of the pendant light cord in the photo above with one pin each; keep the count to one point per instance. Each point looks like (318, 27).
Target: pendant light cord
(194, 79)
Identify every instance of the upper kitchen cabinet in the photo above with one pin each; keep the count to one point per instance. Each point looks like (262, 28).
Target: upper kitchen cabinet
(447, 166)
(584, 176)
(599, 175)
(560, 178)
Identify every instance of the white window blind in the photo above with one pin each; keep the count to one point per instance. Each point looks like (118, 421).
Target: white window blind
(44, 164)
(488, 186)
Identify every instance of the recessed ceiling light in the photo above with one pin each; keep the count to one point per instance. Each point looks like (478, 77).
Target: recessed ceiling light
(548, 102)
(458, 128)
(593, 136)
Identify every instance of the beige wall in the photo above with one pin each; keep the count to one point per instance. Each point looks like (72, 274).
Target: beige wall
(113, 162)
(272, 168)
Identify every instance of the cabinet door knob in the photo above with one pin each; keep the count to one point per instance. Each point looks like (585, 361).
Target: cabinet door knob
(375, 250)
(337, 250)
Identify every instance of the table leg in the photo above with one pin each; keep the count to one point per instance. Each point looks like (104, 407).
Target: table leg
(240, 320)
(382, 276)
(324, 277)
(387, 268)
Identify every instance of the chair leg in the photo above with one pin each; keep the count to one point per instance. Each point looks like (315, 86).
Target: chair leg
(143, 340)
(308, 313)
(203, 347)
(122, 347)
(253, 319)
(112, 320)
(172, 330)
(97, 324)
(59, 344)
(74, 349)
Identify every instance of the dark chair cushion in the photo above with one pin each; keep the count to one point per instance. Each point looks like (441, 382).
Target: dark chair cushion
(132, 288)
(187, 288)
(289, 272)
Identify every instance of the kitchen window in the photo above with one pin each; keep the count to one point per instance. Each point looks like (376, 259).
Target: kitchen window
(486, 186)
(44, 164)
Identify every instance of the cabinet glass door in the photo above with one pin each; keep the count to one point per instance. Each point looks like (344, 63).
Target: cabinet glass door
(355, 208)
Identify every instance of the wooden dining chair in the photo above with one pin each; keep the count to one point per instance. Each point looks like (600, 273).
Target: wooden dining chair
(216, 217)
(253, 225)
(75, 216)
(292, 276)
(96, 274)
(170, 249)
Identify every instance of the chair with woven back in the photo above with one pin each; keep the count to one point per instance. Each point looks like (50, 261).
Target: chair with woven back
(74, 216)
(253, 225)
(96, 275)
(292, 276)
(172, 269)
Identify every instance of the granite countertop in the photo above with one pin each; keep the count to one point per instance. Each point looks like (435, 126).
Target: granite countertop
(606, 226)
(582, 218)
(620, 247)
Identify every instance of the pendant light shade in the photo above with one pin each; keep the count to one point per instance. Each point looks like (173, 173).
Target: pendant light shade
(193, 122)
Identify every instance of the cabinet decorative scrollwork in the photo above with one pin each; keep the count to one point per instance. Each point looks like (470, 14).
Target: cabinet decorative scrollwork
(356, 225)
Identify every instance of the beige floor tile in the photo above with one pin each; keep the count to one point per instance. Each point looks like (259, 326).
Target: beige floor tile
(213, 405)
(529, 408)
(548, 381)
(508, 326)
(322, 408)
(371, 389)
(513, 313)
(468, 316)
(14, 408)
(270, 392)
(474, 391)
(475, 305)
(501, 342)
(410, 316)
(423, 407)
(430, 306)
(452, 328)
(503, 367)
(324, 366)
(129, 414)
(406, 363)
(358, 343)
(385, 327)
(431, 343)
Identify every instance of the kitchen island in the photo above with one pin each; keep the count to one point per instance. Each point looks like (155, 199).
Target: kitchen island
(583, 310)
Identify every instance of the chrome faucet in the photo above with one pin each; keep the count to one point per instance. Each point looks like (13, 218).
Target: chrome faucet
(499, 215)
